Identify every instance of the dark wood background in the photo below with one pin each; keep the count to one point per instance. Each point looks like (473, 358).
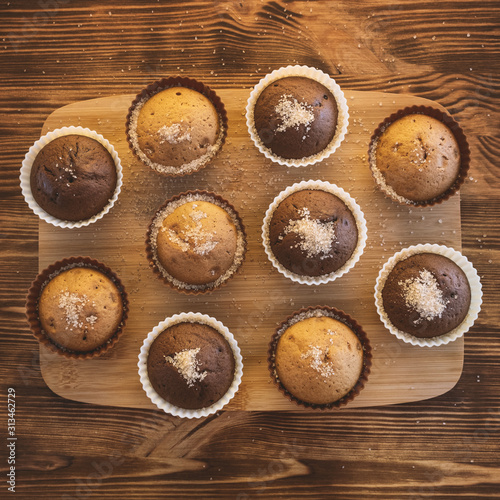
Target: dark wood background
(54, 52)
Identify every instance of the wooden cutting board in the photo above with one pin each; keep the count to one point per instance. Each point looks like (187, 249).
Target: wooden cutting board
(255, 301)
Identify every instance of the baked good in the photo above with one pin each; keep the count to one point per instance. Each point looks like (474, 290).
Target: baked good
(426, 295)
(176, 126)
(312, 232)
(196, 241)
(80, 309)
(190, 365)
(320, 357)
(295, 117)
(73, 177)
(319, 360)
(416, 159)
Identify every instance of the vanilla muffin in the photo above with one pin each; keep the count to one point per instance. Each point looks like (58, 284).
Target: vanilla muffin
(80, 309)
(196, 241)
(417, 159)
(320, 357)
(77, 307)
(176, 127)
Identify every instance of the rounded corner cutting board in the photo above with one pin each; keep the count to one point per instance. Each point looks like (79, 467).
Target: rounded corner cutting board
(258, 298)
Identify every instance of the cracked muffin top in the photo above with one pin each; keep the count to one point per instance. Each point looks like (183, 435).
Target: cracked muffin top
(416, 159)
(73, 177)
(296, 117)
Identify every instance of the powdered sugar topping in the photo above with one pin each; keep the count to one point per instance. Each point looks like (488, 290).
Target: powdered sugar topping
(193, 236)
(73, 306)
(424, 295)
(319, 360)
(316, 237)
(293, 113)
(174, 134)
(187, 365)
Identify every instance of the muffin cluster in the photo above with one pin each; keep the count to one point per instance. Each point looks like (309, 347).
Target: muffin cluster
(313, 233)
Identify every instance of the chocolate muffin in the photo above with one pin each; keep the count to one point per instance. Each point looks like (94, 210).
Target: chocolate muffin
(312, 233)
(190, 365)
(73, 177)
(80, 309)
(426, 295)
(416, 159)
(296, 117)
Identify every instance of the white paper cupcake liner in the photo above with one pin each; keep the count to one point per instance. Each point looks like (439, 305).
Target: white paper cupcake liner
(143, 370)
(475, 288)
(26, 173)
(351, 204)
(314, 74)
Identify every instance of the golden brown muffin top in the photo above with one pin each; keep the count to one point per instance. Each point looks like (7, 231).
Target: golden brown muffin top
(197, 242)
(176, 127)
(80, 309)
(319, 359)
(418, 157)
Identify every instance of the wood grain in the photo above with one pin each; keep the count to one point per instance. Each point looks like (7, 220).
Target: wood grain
(250, 182)
(57, 52)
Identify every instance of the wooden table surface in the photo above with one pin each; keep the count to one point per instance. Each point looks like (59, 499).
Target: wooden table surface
(56, 52)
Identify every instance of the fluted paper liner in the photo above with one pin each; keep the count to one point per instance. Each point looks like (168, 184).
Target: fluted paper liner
(150, 91)
(190, 317)
(353, 207)
(27, 164)
(37, 287)
(318, 311)
(475, 289)
(166, 209)
(457, 132)
(314, 74)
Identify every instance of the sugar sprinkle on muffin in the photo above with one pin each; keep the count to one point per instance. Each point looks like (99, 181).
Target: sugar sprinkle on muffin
(297, 116)
(313, 232)
(191, 365)
(196, 241)
(319, 357)
(77, 307)
(174, 127)
(80, 309)
(426, 295)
